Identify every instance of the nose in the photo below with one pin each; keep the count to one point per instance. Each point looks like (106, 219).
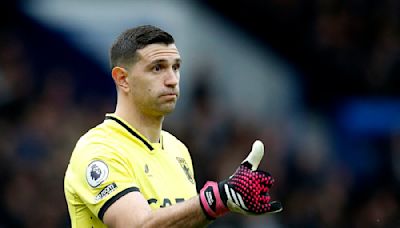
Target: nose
(172, 78)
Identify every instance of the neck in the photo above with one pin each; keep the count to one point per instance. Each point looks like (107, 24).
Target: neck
(149, 126)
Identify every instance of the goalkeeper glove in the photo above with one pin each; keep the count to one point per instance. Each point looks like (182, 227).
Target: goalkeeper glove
(245, 192)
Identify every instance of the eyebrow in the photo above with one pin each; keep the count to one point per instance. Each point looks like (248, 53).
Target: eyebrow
(158, 61)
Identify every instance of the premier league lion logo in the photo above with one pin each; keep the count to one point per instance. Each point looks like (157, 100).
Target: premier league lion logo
(96, 173)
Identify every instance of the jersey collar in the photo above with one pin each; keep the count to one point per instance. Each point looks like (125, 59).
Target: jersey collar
(130, 129)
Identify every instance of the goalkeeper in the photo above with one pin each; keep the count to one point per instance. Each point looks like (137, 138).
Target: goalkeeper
(128, 172)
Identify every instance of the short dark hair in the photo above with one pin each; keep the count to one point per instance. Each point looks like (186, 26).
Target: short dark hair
(123, 50)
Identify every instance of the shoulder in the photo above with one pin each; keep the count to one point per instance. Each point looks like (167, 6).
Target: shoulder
(92, 159)
(96, 144)
(170, 139)
(106, 136)
(174, 145)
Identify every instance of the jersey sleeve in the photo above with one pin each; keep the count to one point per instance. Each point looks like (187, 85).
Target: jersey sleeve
(103, 176)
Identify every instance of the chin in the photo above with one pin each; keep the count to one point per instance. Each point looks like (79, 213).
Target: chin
(167, 109)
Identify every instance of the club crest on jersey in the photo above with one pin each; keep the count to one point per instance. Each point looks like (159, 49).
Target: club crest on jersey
(186, 169)
(96, 173)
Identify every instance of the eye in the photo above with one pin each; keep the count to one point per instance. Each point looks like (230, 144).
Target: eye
(176, 67)
(157, 68)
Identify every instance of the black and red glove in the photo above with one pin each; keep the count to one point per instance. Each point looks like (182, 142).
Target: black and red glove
(245, 192)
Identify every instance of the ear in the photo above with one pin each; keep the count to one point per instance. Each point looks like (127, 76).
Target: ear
(120, 76)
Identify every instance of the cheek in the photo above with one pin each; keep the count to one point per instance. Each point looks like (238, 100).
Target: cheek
(141, 87)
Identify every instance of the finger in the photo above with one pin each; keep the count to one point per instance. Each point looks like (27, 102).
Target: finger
(255, 155)
(266, 178)
(274, 207)
(265, 197)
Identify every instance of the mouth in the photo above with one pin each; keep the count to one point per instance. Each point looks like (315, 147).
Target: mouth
(169, 96)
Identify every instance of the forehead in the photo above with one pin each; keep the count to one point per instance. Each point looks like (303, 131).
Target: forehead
(159, 51)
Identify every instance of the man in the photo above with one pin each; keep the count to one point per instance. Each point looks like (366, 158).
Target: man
(128, 172)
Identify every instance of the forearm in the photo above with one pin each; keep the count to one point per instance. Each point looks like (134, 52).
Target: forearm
(184, 214)
(245, 192)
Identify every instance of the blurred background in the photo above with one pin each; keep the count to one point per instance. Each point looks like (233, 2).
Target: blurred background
(315, 80)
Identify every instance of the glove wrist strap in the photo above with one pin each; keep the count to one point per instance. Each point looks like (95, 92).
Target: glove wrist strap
(211, 201)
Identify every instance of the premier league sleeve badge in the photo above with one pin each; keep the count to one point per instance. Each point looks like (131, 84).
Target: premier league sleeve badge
(96, 173)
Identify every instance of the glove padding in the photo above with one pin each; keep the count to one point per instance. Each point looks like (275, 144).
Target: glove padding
(245, 192)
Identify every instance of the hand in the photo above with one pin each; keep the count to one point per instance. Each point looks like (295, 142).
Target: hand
(245, 192)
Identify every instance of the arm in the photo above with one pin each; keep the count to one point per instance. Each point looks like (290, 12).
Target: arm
(245, 192)
(132, 210)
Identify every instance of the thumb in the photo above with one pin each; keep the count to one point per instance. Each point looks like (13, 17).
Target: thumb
(255, 155)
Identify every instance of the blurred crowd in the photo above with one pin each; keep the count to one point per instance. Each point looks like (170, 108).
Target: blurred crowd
(43, 112)
(343, 48)
(39, 127)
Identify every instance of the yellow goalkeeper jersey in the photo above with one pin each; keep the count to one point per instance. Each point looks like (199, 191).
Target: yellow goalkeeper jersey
(114, 159)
